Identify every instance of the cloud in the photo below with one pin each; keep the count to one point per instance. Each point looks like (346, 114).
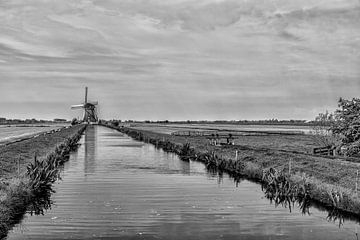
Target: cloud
(201, 58)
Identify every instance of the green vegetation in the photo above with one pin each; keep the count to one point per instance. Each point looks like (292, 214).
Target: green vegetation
(347, 125)
(322, 133)
(4, 121)
(340, 130)
(27, 184)
(293, 122)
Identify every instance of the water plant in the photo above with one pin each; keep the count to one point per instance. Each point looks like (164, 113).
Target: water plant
(187, 152)
(42, 174)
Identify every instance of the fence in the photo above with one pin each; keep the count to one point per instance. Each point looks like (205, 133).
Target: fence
(324, 151)
(193, 133)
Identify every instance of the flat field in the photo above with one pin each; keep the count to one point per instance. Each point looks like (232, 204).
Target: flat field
(9, 133)
(173, 127)
(23, 152)
(276, 137)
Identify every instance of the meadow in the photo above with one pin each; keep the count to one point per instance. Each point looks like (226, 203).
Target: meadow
(276, 137)
(173, 127)
(9, 133)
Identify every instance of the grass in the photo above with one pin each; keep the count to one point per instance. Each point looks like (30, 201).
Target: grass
(296, 142)
(27, 186)
(26, 150)
(329, 181)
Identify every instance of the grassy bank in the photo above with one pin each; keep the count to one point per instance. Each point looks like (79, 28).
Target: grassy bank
(332, 182)
(28, 170)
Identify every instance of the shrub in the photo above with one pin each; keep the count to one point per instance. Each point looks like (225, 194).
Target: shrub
(347, 125)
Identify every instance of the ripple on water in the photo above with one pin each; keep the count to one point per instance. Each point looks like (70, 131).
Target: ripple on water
(114, 187)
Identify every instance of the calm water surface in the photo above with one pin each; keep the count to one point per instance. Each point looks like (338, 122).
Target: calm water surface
(116, 188)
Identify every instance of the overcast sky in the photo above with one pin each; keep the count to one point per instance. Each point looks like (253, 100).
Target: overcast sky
(178, 59)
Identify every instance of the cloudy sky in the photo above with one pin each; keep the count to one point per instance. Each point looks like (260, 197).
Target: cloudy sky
(178, 59)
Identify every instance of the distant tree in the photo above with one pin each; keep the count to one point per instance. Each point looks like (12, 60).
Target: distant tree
(347, 125)
(322, 132)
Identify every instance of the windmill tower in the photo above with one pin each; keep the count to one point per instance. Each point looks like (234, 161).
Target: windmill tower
(90, 115)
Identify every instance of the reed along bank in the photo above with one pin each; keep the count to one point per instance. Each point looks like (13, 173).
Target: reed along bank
(286, 175)
(27, 171)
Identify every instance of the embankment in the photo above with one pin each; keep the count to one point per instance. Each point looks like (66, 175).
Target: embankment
(331, 182)
(28, 170)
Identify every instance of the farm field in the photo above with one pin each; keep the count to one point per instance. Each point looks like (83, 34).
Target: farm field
(9, 133)
(170, 128)
(285, 138)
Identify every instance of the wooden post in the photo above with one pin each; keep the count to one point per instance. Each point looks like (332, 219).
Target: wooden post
(356, 183)
(236, 155)
(19, 166)
(290, 167)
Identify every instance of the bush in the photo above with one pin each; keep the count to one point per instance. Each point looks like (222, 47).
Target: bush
(322, 133)
(347, 125)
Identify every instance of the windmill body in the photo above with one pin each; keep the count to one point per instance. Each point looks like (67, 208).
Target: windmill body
(90, 114)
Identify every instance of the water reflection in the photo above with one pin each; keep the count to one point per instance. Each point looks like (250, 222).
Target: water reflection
(90, 149)
(39, 205)
(291, 202)
(185, 167)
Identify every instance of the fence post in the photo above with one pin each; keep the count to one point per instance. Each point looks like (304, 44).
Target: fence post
(290, 167)
(236, 155)
(19, 166)
(356, 183)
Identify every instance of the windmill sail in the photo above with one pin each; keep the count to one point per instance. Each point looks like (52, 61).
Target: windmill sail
(89, 107)
(77, 106)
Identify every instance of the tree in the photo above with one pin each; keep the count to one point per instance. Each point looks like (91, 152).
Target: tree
(347, 125)
(322, 132)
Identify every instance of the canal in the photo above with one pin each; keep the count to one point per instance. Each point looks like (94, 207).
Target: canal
(114, 187)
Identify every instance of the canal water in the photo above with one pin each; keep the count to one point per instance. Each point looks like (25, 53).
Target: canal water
(114, 187)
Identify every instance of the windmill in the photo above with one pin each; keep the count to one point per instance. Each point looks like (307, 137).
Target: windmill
(90, 115)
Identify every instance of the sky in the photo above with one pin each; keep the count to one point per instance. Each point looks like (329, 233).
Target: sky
(178, 59)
